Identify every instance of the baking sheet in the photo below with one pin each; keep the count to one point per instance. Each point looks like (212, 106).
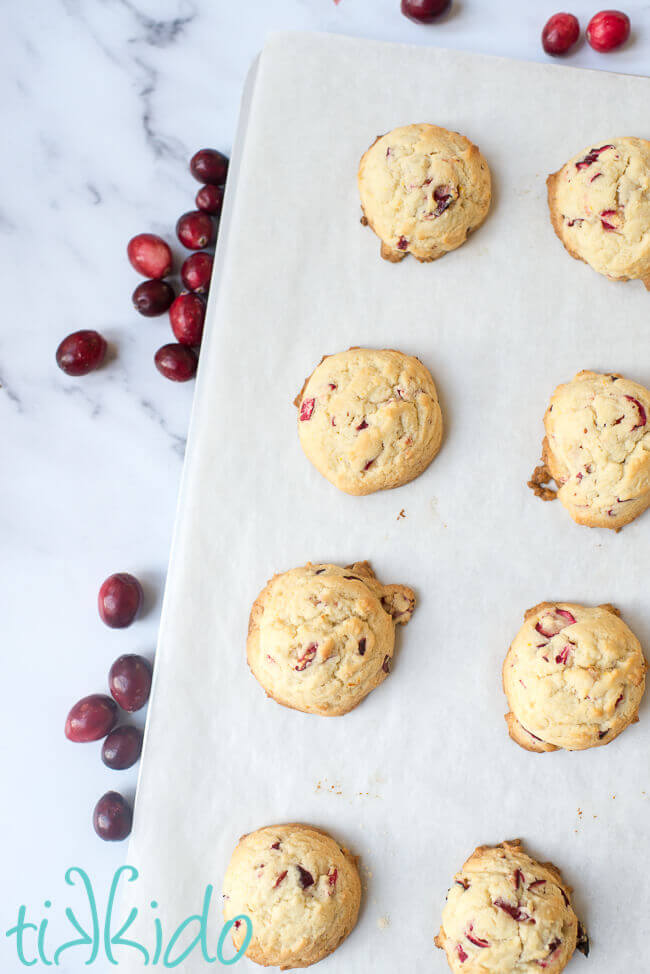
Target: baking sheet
(422, 771)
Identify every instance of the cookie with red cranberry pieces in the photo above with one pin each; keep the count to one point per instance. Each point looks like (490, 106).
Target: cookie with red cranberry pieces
(321, 637)
(369, 419)
(597, 450)
(574, 677)
(599, 203)
(423, 189)
(300, 890)
(506, 913)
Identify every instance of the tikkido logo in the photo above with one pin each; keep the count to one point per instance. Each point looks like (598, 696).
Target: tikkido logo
(97, 939)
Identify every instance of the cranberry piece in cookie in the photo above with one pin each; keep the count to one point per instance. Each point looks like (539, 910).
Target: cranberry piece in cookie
(423, 189)
(574, 677)
(321, 638)
(599, 204)
(597, 450)
(300, 889)
(491, 925)
(369, 419)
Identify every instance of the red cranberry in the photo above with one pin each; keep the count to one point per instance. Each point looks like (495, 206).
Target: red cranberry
(305, 878)
(187, 315)
(424, 11)
(210, 199)
(152, 298)
(91, 718)
(112, 817)
(197, 271)
(129, 681)
(119, 600)
(176, 362)
(306, 409)
(150, 255)
(122, 748)
(560, 33)
(81, 352)
(195, 230)
(608, 29)
(209, 166)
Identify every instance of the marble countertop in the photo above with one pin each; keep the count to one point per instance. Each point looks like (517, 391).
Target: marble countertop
(105, 101)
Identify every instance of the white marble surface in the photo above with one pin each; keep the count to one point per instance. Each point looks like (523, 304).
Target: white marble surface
(105, 100)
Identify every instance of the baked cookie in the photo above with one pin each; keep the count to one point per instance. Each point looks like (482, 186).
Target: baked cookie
(600, 208)
(574, 677)
(369, 419)
(597, 450)
(422, 190)
(300, 889)
(320, 638)
(508, 914)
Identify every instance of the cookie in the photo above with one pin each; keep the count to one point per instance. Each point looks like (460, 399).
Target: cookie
(597, 450)
(369, 419)
(599, 203)
(423, 189)
(574, 677)
(508, 914)
(300, 890)
(320, 638)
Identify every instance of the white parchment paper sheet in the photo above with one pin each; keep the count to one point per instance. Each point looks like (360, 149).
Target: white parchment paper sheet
(423, 771)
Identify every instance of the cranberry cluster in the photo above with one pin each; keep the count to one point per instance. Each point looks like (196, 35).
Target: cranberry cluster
(96, 716)
(606, 31)
(84, 351)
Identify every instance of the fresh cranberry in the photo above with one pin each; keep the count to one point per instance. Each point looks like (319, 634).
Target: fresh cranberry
(462, 956)
(150, 255)
(91, 718)
(424, 11)
(176, 362)
(306, 879)
(122, 748)
(112, 817)
(119, 600)
(152, 298)
(81, 352)
(279, 879)
(194, 230)
(402, 243)
(561, 31)
(187, 315)
(129, 681)
(210, 199)
(197, 271)
(209, 166)
(607, 30)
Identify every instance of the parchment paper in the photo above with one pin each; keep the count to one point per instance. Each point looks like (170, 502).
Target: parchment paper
(423, 771)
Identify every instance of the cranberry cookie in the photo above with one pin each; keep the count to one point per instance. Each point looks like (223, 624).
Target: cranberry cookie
(300, 890)
(508, 914)
(574, 677)
(600, 208)
(422, 190)
(320, 638)
(597, 450)
(369, 419)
